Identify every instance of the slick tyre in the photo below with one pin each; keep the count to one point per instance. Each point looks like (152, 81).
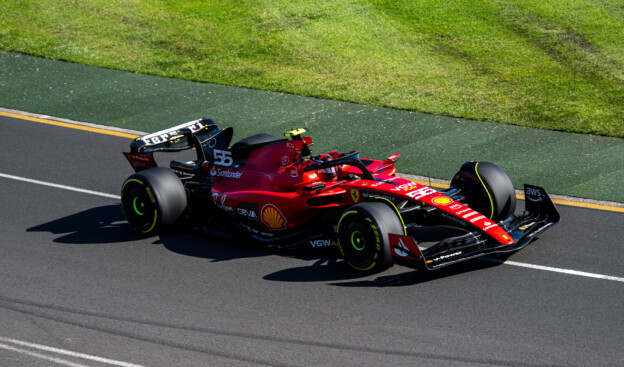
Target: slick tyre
(363, 235)
(487, 189)
(153, 199)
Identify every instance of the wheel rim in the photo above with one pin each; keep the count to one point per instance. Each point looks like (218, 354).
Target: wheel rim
(138, 207)
(136, 204)
(358, 240)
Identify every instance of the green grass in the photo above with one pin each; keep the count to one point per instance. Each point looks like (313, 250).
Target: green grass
(553, 64)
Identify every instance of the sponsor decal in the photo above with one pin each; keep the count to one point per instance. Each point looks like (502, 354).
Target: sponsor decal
(247, 213)
(294, 173)
(490, 226)
(470, 214)
(404, 246)
(290, 144)
(171, 134)
(355, 195)
(421, 193)
(379, 196)
(272, 217)
(225, 173)
(447, 256)
(456, 206)
(140, 161)
(534, 194)
(220, 202)
(320, 243)
(401, 249)
(475, 219)
(463, 211)
(285, 160)
(212, 142)
(405, 187)
(225, 207)
(442, 200)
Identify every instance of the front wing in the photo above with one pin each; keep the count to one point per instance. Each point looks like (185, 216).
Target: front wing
(540, 213)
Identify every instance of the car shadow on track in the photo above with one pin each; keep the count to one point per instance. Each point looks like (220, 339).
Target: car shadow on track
(327, 270)
(415, 277)
(104, 224)
(107, 225)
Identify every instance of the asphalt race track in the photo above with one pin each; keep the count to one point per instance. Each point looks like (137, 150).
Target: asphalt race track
(78, 287)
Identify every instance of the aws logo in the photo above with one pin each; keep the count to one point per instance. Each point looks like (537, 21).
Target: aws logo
(533, 194)
(272, 217)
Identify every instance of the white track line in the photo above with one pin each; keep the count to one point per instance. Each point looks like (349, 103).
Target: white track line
(556, 270)
(513, 263)
(64, 187)
(42, 356)
(44, 348)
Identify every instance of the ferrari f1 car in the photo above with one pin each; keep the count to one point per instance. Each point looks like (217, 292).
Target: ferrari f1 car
(278, 193)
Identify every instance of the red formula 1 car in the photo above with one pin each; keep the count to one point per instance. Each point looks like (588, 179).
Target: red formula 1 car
(278, 193)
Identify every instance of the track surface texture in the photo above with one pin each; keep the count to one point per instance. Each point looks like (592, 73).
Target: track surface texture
(74, 276)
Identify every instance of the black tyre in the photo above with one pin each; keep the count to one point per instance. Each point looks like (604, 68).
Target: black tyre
(363, 235)
(487, 189)
(153, 199)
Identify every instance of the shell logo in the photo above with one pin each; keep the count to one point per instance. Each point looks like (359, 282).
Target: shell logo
(272, 217)
(442, 200)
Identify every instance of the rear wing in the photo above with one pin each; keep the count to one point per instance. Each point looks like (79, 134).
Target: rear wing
(174, 138)
(201, 134)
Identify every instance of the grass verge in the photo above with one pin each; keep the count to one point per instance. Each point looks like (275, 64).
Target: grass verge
(547, 64)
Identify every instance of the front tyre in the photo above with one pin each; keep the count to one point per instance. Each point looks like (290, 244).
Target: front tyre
(363, 235)
(487, 189)
(153, 199)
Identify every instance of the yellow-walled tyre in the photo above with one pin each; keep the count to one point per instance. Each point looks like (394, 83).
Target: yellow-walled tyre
(153, 199)
(363, 235)
(487, 189)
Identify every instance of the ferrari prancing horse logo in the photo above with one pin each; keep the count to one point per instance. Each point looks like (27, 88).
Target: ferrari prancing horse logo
(355, 195)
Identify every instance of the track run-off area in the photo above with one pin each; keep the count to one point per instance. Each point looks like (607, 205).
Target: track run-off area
(79, 287)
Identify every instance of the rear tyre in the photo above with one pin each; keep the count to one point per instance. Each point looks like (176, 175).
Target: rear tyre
(153, 199)
(487, 189)
(363, 235)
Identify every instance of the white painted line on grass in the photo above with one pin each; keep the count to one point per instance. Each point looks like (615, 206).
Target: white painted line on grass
(50, 358)
(64, 187)
(556, 270)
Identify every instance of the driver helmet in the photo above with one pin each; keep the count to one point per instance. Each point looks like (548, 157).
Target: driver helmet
(326, 173)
